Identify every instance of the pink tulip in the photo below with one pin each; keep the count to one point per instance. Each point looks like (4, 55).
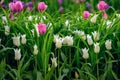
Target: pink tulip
(102, 5)
(18, 6)
(42, 6)
(86, 14)
(41, 28)
(12, 6)
(104, 15)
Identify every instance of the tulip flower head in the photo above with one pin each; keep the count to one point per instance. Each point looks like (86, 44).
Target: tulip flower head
(108, 44)
(102, 6)
(35, 52)
(86, 14)
(104, 15)
(85, 53)
(96, 48)
(23, 41)
(16, 6)
(16, 41)
(41, 28)
(17, 54)
(42, 6)
(89, 40)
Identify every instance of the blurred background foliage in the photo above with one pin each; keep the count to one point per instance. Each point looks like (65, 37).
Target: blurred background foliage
(71, 5)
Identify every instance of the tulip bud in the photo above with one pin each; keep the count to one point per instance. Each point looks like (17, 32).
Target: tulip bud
(35, 52)
(54, 61)
(76, 75)
(7, 30)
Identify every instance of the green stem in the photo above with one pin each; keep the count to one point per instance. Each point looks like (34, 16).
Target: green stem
(70, 55)
(18, 72)
(97, 67)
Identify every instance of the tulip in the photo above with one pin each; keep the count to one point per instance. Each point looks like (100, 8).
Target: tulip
(61, 9)
(7, 30)
(55, 38)
(68, 40)
(104, 15)
(60, 2)
(108, 44)
(23, 41)
(41, 28)
(17, 54)
(16, 41)
(54, 61)
(94, 18)
(35, 52)
(58, 43)
(86, 14)
(102, 5)
(89, 40)
(96, 48)
(96, 35)
(85, 53)
(42, 6)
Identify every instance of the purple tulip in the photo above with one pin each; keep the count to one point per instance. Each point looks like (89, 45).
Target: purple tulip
(4, 6)
(29, 4)
(61, 9)
(60, 1)
(15, 1)
(89, 6)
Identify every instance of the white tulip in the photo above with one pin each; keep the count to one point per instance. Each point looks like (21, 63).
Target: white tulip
(4, 19)
(96, 48)
(109, 24)
(96, 35)
(108, 44)
(89, 40)
(85, 53)
(68, 40)
(16, 41)
(35, 52)
(23, 41)
(118, 15)
(80, 33)
(55, 38)
(17, 54)
(54, 61)
(30, 18)
(67, 23)
(58, 43)
(7, 30)
(93, 19)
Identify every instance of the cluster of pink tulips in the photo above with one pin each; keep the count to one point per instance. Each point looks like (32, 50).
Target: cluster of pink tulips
(102, 6)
